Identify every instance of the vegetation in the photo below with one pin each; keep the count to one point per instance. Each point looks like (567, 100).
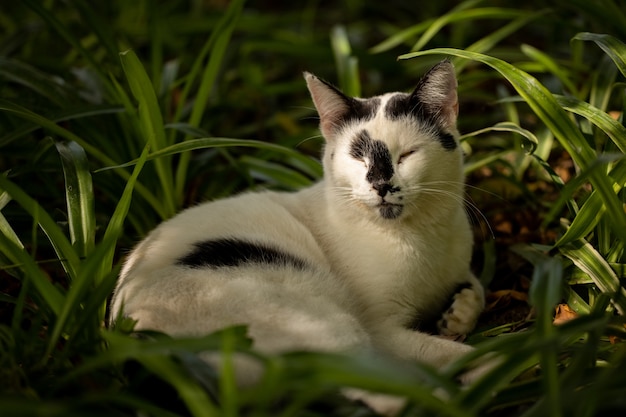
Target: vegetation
(115, 115)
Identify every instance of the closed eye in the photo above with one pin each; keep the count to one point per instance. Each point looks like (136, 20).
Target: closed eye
(406, 155)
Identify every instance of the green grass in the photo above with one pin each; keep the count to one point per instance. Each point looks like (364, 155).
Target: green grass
(117, 115)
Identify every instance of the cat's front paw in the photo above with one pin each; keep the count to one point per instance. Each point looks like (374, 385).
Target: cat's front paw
(463, 313)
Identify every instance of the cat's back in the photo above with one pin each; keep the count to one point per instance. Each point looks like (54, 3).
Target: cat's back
(273, 219)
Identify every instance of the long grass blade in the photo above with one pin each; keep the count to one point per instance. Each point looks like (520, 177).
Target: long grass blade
(347, 64)
(64, 115)
(5, 226)
(79, 196)
(614, 130)
(592, 211)
(62, 246)
(151, 123)
(593, 264)
(488, 42)
(460, 14)
(218, 42)
(532, 141)
(116, 223)
(613, 47)
(206, 143)
(98, 265)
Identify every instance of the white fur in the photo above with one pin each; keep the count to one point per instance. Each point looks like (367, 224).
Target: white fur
(371, 275)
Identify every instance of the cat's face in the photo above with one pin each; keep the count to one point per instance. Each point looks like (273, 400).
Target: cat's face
(395, 155)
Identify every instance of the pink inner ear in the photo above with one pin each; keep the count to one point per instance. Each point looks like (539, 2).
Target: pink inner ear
(330, 104)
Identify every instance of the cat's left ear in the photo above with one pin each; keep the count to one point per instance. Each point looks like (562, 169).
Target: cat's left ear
(436, 92)
(332, 105)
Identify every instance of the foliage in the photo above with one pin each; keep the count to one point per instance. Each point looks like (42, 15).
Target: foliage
(118, 114)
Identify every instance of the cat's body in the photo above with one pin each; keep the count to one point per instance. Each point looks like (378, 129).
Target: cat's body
(355, 262)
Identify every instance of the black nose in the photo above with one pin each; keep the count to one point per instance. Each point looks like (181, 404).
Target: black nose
(382, 188)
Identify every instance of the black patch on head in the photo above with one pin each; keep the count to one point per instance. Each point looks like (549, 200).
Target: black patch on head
(362, 110)
(380, 169)
(234, 252)
(409, 105)
(402, 105)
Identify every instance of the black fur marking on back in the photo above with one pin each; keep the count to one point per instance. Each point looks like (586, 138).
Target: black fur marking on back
(380, 168)
(405, 105)
(234, 252)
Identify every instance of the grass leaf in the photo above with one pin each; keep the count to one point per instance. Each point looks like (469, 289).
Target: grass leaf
(613, 47)
(62, 246)
(592, 263)
(79, 196)
(151, 123)
(218, 45)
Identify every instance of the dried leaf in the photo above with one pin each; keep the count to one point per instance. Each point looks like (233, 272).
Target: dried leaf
(564, 314)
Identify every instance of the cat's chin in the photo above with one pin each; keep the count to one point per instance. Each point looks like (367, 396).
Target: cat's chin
(390, 211)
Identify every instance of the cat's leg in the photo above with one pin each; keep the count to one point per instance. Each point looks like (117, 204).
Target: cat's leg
(466, 305)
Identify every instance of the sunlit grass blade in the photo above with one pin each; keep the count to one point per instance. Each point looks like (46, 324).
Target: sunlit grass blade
(591, 262)
(97, 266)
(52, 126)
(532, 141)
(275, 173)
(62, 246)
(402, 36)
(5, 226)
(347, 64)
(488, 42)
(545, 106)
(116, 223)
(218, 44)
(592, 210)
(206, 143)
(151, 122)
(613, 47)
(92, 150)
(614, 130)
(79, 196)
(460, 13)
(64, 115)
(604, 78)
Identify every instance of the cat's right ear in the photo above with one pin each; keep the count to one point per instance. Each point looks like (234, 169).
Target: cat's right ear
(332, 105)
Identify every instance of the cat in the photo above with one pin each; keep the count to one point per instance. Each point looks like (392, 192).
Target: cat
(359, 261)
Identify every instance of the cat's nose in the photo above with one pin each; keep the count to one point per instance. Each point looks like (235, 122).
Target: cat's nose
(382, 188)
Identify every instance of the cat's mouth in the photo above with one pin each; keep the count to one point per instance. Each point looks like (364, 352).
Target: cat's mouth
(389, 210)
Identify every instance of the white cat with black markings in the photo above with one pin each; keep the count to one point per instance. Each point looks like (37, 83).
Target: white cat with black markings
(359, 261)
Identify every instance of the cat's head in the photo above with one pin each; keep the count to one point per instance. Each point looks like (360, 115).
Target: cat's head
(396, 155)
